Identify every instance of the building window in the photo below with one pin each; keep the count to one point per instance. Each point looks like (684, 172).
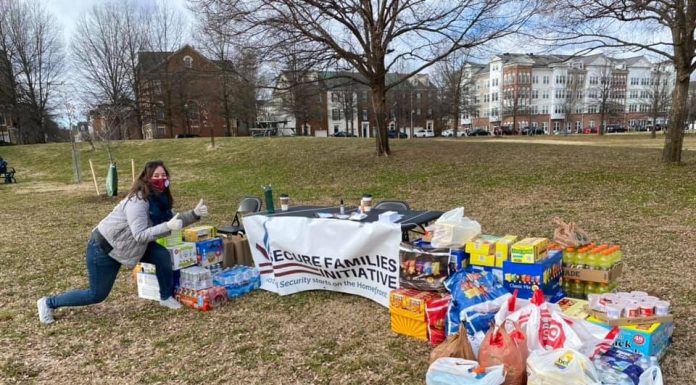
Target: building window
(157, 87)
(2, 120)
(592, 109)
(159, 111)
(364, 95)
(188, 61)
(334, 98)
(546, 79)
(592, 124)
(335, 113)
(418, 96)
(192, 113)
(418, 111)
(545, 94)
(364, 114)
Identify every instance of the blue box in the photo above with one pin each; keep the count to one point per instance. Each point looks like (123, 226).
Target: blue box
(497, 272)
(545, 275)
(209, 252)
(648, 340)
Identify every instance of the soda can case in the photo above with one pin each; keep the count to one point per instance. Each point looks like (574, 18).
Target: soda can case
(203, 300)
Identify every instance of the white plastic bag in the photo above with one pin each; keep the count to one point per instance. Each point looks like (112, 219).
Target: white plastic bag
(560, 367)
(651, 376)
(456, 371)
(453, 229)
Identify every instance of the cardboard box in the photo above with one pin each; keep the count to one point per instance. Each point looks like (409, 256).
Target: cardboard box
(407, 311)
(183, 255)
(525, 277)
(482, 245)
(236, 251)
(209, 252)
(174, 238)
(482, 259)
(599, 276)
(629, 321)
(648, 340)
(529, 250)
(203, 300)
(503, 249)
(497, 273)
(199, 233)
(148, 287)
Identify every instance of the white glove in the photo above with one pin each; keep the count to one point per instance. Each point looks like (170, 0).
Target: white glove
(201, 210)
(175, 223)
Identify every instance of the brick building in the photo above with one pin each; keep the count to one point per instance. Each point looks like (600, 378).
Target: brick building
(176, 91)
(325, 103)
(557, 92)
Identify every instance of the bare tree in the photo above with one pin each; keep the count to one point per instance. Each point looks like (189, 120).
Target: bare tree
(31, 39)
(604, 93)
(659, 94)
(639, 24)
(370, 37)
(455, 83)
(575, 85)
(347, 99)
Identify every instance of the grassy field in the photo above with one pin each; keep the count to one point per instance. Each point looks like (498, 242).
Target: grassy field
(613, 187)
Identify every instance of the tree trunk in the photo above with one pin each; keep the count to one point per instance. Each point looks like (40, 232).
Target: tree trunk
(674, 136)
(379, 102)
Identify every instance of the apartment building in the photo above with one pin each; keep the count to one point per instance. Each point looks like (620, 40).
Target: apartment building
(557, 92)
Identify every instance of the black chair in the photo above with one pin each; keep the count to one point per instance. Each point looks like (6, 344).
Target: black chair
(8, 175)
(246, 205)
(393, 205)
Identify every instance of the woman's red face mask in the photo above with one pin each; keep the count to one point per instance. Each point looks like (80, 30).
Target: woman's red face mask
(159, 184)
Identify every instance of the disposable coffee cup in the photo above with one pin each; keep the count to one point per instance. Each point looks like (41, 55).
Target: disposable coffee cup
(366, 203)
(284, 202)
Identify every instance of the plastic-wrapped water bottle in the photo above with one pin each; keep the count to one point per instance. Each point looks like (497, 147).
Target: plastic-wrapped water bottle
(644, 363)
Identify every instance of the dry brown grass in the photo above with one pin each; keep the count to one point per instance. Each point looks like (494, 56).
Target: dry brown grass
(616, 189)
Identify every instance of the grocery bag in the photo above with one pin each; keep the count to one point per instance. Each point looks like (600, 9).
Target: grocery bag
(456, 345)
(651, 376)
(457, 371)
(546, 327)
(569, 234)
(453, 229)
(500, 348)
(560, 367)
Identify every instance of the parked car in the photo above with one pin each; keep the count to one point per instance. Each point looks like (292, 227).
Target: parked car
(344, 134)
(479, 132)
(590, 130)
(533, 131)
(396, 134)
(179, 136)
(611, 128)
(450, 132)
(424, 133)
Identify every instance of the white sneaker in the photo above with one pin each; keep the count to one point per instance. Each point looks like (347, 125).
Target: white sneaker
(45, 312)
(171, 303)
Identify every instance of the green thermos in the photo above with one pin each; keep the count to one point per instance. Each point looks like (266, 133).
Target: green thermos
(268, 195)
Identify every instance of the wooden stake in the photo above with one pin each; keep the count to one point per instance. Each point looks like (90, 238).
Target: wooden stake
(133, 169)
(94, 177)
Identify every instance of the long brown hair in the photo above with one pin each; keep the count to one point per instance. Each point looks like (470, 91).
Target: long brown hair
(141, 187)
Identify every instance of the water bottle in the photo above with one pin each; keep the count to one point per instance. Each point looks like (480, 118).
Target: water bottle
(268, 196)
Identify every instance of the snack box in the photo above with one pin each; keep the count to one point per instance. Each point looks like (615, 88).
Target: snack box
(407, 310)
(209, 252)
(496, 272)
(526, 277)
(482, 259)
(503, 249)
(199, 233)
(529, 250)
(573, 307)
(482, 245)
(648, 339)
(203, 300)
(183, 255)
(589, 275)
(173, 239)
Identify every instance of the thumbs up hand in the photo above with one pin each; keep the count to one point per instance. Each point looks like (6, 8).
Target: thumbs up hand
(201, 210)
(175, 223)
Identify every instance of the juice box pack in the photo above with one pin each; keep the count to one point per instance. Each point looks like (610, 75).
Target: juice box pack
(529, 250)
(209, 252)
(183, 255)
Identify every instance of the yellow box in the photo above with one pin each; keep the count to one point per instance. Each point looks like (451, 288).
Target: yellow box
(529, 250)
(480, 246)
(410, 324)
(482, 259)
(410, 300)
(503, 247)
(199, 233)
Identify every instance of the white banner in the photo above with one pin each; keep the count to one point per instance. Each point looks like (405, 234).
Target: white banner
(296, 254)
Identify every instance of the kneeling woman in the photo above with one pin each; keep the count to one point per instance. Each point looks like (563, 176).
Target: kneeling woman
(127, 236)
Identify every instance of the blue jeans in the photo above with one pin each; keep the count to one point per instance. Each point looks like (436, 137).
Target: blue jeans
(102, 271)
